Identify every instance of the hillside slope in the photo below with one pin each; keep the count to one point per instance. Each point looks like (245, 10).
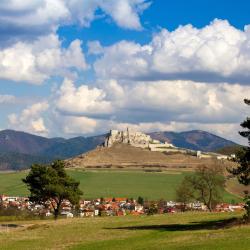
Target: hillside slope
(74, 146)
(229, 150)
(18, 161)
(19, 150)
(24, 143)
(122, 155)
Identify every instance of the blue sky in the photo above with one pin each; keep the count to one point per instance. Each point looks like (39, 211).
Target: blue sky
(84, 67)
(167, 14)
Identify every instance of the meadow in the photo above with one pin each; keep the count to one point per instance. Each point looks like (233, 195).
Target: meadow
(96, 184)
(168, 231)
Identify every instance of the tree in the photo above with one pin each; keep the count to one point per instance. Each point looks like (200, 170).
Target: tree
(184, 193)
(140, 200)
(242, 171)
(51, 183)
(152, 208)
(205, 185)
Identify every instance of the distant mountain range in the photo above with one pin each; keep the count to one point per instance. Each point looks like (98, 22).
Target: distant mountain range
(19, 150)
(194, 139)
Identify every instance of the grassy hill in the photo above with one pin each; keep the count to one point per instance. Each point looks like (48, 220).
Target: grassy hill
(234, 187)
(125, 156)
(189, 231)
(96, 184)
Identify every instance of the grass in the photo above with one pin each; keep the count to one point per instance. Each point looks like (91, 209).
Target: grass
(170, 231)
(97, 184)
(234, 187)
(11, 183)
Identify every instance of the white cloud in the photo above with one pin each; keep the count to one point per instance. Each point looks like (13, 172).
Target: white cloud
(217, 52)
(123, 60)
(82, 101)
(183, 101)
(149, 106)
(37, 61)
(34, 15)
(187, 101)
(94, 48)
(78, 125)
(7, 99)
(125, 13)
(29, 19)
(30, 119)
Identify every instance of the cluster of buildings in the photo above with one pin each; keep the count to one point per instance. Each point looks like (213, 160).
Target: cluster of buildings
(141, 140)
(111, 207)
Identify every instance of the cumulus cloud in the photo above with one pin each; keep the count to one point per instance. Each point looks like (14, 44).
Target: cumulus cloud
(166, 100)
(183, 101)
(157, 101)
(7, 99)
(94, 48)
(82, 101)
(72, 125)
(30, 119)
(217, 52)
(29, 19)
(125, 13)
(37, 61)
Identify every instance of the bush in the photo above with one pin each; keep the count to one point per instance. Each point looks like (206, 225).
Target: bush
(16, 214)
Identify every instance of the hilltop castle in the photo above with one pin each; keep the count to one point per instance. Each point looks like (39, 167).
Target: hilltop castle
(141, 140)
(136, 139)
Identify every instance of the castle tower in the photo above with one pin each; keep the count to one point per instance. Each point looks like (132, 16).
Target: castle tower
(128, 135)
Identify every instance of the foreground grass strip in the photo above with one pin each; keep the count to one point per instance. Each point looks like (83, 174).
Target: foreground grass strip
(171, 231)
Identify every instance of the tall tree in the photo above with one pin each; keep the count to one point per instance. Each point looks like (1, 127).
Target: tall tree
(51, 183)
(140, 200)
(205, 185)
(184, 193)
(242, 171)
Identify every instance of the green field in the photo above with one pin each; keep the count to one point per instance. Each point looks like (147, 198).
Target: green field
(96, 184)
(189, 231)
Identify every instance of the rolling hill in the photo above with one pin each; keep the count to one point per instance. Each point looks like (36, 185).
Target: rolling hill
(124, 156)
(19, 150)
(24, 143)
(229, 150)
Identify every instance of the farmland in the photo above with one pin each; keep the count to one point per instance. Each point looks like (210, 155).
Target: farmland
(102, 183)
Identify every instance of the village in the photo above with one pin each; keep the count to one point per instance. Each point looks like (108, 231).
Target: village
(110, 207)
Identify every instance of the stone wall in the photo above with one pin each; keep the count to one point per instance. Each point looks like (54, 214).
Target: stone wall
(137, 139)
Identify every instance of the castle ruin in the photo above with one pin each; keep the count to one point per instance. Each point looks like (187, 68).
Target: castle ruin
(136, 139)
